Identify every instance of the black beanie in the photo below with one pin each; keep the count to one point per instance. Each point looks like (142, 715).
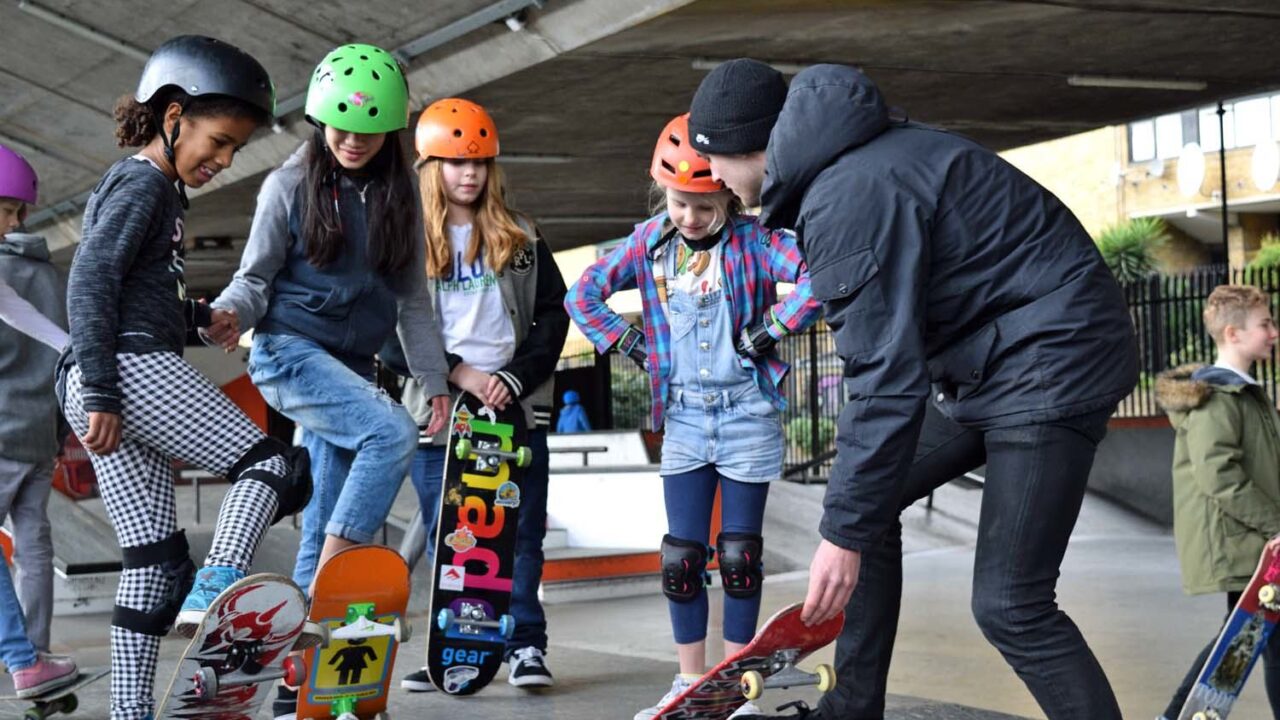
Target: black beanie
(735, 107)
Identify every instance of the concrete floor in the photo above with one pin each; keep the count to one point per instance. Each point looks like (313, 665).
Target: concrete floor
(610, 658)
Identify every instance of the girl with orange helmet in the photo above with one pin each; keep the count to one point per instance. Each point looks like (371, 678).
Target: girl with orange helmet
(707, 275)
(488, 267)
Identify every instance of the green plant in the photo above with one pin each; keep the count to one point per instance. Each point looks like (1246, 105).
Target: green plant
(1268, 256)
(799, 432)
(1127, 248)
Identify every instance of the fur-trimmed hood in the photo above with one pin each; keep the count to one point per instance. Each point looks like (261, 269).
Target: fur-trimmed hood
(1187, 387)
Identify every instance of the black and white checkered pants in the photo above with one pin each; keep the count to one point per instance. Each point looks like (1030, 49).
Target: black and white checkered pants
(170, 411)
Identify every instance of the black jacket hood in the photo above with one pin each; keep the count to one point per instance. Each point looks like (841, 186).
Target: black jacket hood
(830, 110)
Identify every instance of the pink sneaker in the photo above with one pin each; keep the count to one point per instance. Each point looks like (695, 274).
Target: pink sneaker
(49, 673)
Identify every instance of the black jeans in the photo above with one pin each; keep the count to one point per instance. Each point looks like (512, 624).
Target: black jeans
(1035, 483)
(1270, 657)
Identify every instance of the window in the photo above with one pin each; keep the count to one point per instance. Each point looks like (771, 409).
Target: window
(1247, 122)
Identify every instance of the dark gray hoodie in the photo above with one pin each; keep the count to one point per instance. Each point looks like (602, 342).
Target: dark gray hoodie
(937, 263)
(28, 406)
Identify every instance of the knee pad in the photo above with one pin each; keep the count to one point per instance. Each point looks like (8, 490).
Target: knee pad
(173, 556)
(741, 563)
(684, 568)
(293, 489)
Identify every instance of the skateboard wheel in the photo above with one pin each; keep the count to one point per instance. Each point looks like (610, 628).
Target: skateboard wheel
(524, 457)
(463, 449)
(403, 630)
(826, 677)
(295, 671)
(1267, 596)
(206, 684)
(69, 704)
(507, 626)
(33, 714)
(445, 619)
(752, 684)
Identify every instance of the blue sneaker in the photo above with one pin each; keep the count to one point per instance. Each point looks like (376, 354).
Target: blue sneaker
(210, 582)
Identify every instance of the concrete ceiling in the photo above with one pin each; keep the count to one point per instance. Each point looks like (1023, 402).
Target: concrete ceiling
(580, 94)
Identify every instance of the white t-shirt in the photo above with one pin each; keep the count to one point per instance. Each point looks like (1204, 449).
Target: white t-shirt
(476, 326)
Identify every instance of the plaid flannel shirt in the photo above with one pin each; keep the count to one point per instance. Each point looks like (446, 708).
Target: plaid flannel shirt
(754, 260)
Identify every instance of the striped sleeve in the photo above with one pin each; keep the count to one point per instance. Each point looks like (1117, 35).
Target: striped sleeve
(785, 263)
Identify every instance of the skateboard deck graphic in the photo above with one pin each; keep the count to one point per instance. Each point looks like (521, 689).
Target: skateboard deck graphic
(359, 602)
(238, 651)
(475, 545)
(1243, 637)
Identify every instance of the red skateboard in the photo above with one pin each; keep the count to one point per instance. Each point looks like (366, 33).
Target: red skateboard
(768, 661)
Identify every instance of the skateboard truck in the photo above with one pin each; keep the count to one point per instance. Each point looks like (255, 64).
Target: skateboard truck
(473, 619)
(785, 674)
(207, 683)
(488, 455)
(359, 624)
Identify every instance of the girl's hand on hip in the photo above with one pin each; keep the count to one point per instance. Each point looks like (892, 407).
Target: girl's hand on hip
(104, 433)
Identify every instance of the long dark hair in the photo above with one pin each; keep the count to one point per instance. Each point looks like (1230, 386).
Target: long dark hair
(390, 209)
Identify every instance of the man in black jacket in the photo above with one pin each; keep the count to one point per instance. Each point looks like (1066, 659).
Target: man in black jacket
(977, 323)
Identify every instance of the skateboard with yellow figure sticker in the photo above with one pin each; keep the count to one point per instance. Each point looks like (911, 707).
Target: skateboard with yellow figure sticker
(359, 601)
(475, 545)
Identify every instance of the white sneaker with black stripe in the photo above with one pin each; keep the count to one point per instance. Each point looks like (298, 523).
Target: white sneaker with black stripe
(527, 668)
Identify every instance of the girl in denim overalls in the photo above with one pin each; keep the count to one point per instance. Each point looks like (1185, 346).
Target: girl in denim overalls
(707, 275)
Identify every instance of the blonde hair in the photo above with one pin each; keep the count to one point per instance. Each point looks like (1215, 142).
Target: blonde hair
(494, 229)
(731, 207)
(1231, 305)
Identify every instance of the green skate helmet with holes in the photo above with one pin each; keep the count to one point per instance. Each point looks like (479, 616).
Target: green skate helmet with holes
(359, 89)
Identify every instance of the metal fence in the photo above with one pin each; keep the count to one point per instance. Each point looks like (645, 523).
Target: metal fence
(1167, 315)
(812, 389)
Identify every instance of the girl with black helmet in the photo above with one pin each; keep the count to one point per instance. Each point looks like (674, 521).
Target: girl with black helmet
(123, 384)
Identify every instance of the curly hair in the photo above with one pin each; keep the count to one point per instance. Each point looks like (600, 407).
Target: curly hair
(137, 123)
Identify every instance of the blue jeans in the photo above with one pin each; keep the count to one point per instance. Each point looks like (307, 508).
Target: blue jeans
(690, 497)
(531, 622)
(361, 441)
(16, 650)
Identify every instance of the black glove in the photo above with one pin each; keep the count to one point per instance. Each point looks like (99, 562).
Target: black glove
(632, 344)
(755, 342)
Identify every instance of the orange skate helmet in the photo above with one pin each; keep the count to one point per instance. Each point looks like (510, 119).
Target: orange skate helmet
(676, 164)
(456, 129)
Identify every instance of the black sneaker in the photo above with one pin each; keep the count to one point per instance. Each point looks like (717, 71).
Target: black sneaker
(285, 706)
(802, 712)
(528, 669)
(418, 681)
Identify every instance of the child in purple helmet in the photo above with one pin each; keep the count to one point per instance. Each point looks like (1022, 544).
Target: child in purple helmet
(28, 433)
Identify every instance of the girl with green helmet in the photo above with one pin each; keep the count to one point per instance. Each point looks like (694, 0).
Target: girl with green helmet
(333, 266)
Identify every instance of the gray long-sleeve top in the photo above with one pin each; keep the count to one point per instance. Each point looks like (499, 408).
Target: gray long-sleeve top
(346, 306)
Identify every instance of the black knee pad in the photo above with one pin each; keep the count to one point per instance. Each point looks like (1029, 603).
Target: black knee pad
(741, 563)
(293, 489)
(684, 568)
(173, 556)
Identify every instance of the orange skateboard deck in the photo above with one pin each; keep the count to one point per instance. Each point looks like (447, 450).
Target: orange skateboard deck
(359, 602)
(767, 661)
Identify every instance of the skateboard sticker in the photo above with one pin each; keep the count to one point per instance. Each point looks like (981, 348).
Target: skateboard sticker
(453, 496)
(453, 577)
(461, 540)
(508, 495)
(355, 667)
(458, 677)
(462, 422)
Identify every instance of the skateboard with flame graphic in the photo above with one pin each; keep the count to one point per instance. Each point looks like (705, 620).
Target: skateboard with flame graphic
(238, 651)
(475, 545)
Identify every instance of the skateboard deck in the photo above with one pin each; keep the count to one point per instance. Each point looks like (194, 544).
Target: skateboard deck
(1243, 637)
(767, 661)
(475, 545)
(238, 651)
(58, 700)
(359, 602)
